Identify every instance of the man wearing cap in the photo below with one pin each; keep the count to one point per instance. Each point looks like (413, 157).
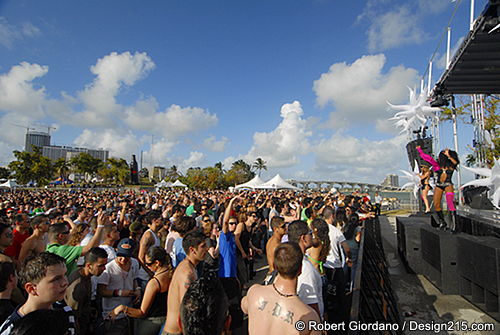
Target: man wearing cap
(118, 286)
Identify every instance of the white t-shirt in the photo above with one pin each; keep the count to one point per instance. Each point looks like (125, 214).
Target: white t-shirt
(109, 250)
(115, 278)
(334, 259)
(310, 286)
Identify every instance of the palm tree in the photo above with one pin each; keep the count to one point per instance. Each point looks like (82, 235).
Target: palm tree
(173, 173)
(259, 165)
(219, 166)
(62, 167)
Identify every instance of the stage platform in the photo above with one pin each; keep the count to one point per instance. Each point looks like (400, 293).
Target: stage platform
(465, 263)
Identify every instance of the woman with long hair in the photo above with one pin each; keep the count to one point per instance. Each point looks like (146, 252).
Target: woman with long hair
(317, 254)
(444, 167)
(78, 234)
(425, 186)
(150, 316)
(245, 249)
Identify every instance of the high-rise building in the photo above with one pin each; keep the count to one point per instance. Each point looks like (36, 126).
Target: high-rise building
(42, 140)
(392, 180)
(36, 138)
(55, 152)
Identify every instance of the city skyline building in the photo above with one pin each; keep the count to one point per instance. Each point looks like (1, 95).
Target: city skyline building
(54, 152)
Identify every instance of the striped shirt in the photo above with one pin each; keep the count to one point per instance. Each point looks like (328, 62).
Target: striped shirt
(8, 324)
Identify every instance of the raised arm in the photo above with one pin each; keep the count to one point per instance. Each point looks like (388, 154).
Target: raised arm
(428, 159)
(227, 214)
(102, 218)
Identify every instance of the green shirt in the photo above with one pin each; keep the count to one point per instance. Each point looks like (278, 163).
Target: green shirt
(68, 252)
(190, 210)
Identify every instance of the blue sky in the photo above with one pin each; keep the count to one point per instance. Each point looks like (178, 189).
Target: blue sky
(302, 84)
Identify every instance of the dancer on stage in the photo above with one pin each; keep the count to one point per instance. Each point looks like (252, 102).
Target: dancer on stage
(425, 186)
(444, 167)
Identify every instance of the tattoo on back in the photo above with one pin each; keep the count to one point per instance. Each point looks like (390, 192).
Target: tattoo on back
(262, 305)
(276, 310)
(286, 316)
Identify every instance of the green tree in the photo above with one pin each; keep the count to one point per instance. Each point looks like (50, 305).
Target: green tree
(4, 173)
(239, 173)
(193, 178)
(85, 164)
(31, 166)
(463, 110)
(208, 178)
(62, 167)
(259, 165)
(115, 169)
(219, 166)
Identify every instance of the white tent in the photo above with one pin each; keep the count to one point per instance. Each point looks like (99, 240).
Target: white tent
(163, 183)
(10, 184)
(177, 183)
(277, 183)
(256, 181)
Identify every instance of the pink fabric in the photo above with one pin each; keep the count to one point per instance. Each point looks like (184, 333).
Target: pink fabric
(428, 159)
(449, 201)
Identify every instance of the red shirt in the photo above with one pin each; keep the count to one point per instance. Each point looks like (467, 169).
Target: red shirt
(17, 241)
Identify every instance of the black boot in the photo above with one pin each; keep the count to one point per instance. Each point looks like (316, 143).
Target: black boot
(442, 222)
(454, 222)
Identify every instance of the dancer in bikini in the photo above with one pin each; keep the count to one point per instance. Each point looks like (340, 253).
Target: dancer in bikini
(444, 168)
(425, 187)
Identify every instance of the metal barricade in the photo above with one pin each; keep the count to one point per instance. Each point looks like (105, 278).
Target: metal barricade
(374, 308)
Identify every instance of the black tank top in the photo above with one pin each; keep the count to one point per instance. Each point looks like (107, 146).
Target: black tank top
(245, 240)
(159, 305)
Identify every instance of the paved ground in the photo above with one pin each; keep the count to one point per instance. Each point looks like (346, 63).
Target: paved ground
(417, 295)
(414, 292)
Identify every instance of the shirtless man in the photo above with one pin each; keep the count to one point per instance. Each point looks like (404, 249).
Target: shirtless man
(196, 248)
(275, 309)
(36, 243)
(279, 229)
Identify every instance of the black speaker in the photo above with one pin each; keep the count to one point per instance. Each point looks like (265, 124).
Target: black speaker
(477, 197)
(479, 270)
(439, 252)
(413, 155)
(409, 245)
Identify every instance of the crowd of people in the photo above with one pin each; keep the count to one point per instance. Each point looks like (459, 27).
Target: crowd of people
(175, 262)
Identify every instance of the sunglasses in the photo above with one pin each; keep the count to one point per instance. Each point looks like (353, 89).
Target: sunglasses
(232, 222)
(282, 226)
(207, 220)
(253, 215)
(149, 263)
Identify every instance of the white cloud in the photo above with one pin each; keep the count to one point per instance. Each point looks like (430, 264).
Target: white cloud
(358, 159)
(212, 144)
(360, 91)
(441, 61)
(174, 122)
(158, 155)
(10, 33)
(282, 146)
(393, 29)
(112, 72)
(119, 143)
(195, 159)
(433, 6)
(18, 93)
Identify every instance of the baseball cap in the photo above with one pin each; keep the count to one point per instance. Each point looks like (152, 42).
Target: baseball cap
(126, 247)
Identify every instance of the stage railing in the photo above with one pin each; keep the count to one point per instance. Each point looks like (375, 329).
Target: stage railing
(374, 308)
